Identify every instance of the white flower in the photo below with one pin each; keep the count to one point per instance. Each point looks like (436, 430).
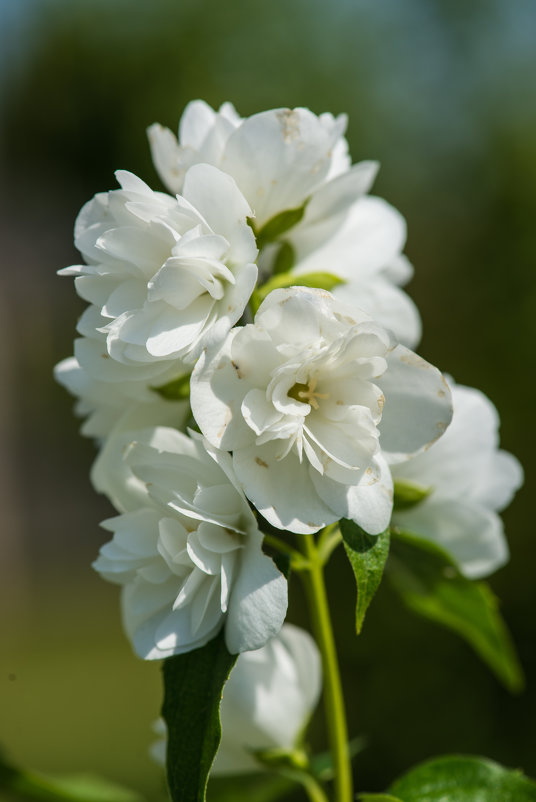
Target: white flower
(105, 404)
(189, 553)
(365, 251)
(298, 397)
(469, 480)
(267, 701)
(107, 391)
(169, 276)
(278, 158)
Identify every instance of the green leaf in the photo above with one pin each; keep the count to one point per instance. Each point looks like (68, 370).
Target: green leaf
(367, 555)
(458, 778)
(285, 258)
(408, 494)
(193, 686)
(27, 785)
(175, 390)
(321, 281)
(431, 585)
(277, 225)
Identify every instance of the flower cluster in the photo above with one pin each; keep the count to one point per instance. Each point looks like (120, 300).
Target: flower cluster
(259, 302)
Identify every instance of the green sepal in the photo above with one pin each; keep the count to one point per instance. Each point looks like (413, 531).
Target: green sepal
(321, 281)
(176, 390)
(430, 584)
(294, 765)
(277, 225)
(25, 785)
(278, 758)
(367, 555)
(408, 494)
(193, 686)
(463, 779)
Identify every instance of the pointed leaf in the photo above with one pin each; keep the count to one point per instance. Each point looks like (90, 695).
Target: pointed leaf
(408, 494)
(367, 555)
(431, 585)
(278, 224)
(285, 259)
(463, 779)
(175, 390)
(193, 686)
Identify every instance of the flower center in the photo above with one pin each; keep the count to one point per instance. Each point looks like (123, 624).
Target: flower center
(307, 393)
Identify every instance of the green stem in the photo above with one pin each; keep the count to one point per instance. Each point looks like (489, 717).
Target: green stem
(313, 789)
(333, 697)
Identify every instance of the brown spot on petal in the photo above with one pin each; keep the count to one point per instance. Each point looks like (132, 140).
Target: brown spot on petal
(339, 403)
(414, 360)
(237, 368)
(290, 125)
(228, 417)
(261, 462)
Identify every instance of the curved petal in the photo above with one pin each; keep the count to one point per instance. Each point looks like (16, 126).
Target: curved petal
(277, 157)
(164, 633)
(372, 234)
(387, 304)
(282, 490)
(216, 196)
(258, 603)
(368, 503)
(498, 483)
(216, 395)
(418, 405)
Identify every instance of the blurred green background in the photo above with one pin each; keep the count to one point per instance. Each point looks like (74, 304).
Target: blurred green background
(443, 94)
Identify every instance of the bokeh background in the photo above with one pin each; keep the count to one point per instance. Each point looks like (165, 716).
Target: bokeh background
(443, 93)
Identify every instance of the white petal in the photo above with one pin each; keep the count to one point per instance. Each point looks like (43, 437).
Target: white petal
(417, 408)
(369, 503)
(277, 157)
(496, 486)
(282, 490)
(330, 201)
(216, 395)
(166, 156)
(387, 304)
(258, 603)
(371, 237)
(216, 196)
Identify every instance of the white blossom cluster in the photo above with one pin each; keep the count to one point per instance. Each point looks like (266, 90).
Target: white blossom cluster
(259, 302)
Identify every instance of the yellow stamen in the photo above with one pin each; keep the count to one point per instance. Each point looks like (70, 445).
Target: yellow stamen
(307, 393)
